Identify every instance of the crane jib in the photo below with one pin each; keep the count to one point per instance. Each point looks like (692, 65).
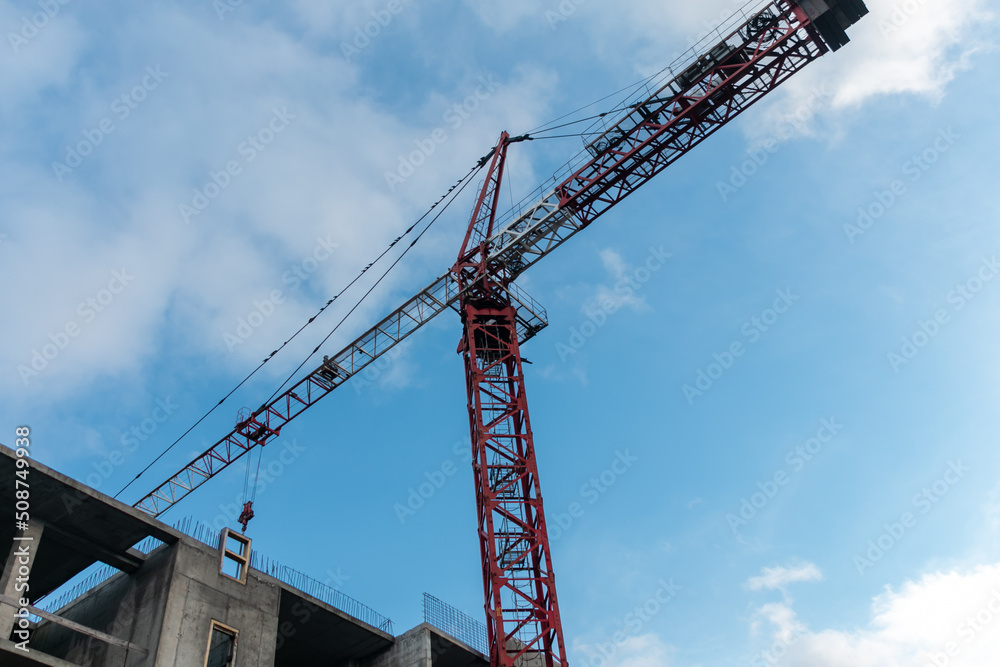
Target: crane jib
(655, 131)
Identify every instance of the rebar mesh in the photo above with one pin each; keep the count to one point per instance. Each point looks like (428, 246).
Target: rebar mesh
(460, 626)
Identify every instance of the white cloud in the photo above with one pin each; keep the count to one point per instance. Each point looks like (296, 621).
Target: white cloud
(646, 650)
(900, 48)
(915, 47)
(644, 35)
(391, 372)
(358, 23)
(599, 304)
(892, 52)
(896, 51)
(322, 176)
(504, 16)
(773, 578)
(563, 373)
(619, 271)
(119, 208)
(786, 626)
(679, 24)
(945, 618)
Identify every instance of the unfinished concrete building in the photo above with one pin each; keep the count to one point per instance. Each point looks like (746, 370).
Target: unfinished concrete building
(176, 599)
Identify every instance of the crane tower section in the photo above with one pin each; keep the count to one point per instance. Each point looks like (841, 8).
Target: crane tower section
(522, 612)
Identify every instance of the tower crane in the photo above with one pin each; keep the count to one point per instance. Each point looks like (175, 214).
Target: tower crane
(651, 133)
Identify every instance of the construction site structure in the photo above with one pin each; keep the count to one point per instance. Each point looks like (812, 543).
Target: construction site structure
(188, 597)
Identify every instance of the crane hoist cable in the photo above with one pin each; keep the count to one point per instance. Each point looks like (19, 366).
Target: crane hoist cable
(544, 127)
(247, 514)
(459, 185)
(250, 492)
(452, 192)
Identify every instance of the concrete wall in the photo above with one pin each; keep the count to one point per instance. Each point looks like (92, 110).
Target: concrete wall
(410, 650)
(168, 607)
(199, 594)
(126, 607)
(169, 604)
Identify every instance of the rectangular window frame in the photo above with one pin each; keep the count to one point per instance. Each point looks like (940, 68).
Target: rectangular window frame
(222, 627)
(242, 560)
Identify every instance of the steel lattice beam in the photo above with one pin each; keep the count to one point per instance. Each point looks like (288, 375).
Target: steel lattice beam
(266, 422)
(522, 612)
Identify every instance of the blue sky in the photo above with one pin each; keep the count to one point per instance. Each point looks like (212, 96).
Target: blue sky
(865, 412)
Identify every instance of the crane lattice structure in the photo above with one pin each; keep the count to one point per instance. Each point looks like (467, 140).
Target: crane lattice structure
(651, 133)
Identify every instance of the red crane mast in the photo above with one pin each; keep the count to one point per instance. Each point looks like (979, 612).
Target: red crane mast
(521, 608)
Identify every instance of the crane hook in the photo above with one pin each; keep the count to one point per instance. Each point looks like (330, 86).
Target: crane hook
(246, 514)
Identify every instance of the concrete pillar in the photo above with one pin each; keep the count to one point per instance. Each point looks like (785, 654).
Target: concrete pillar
(27, 540)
